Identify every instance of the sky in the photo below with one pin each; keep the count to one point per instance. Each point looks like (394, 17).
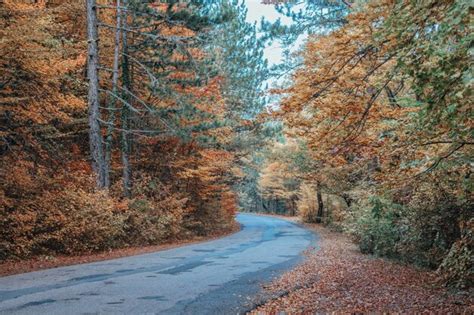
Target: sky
(257, 10)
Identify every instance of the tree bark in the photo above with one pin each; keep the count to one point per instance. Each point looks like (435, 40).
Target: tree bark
(111, 105)
(95, 135)
(264, 206)
(319, 215)
(293, 205)
(125, 117)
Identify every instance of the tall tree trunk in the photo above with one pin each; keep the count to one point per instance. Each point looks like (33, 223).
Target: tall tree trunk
(319, 215)
(95, 135)
(125, 117)
(293, 206)
(111, 106)
(264, 206)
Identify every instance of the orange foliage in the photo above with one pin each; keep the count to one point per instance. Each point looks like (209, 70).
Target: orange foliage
(48, 203)
(38, 63)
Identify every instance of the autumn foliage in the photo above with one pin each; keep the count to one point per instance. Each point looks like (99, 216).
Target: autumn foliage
(381, 108)
(48, 200)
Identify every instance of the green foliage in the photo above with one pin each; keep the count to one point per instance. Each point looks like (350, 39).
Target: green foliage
(457, 267)
(374, 224)
(238, 55)
(424, 231)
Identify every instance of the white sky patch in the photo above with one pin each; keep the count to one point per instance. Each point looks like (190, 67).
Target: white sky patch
(274, 52)
(257, 10)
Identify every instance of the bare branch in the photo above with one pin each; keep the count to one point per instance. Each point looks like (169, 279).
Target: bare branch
(441, 158)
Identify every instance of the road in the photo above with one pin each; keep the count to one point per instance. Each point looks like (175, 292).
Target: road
(217, 277)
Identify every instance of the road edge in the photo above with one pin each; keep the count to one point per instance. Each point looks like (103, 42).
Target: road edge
(15, 267)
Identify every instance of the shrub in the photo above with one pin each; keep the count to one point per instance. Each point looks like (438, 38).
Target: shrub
(155, 213)
(429, 225)
(63, 222)
(376, 226)
(307, 203)
(456, 270)
(66, 218)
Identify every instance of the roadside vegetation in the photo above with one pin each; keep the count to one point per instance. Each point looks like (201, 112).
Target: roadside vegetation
(378, 129)
(337, 278)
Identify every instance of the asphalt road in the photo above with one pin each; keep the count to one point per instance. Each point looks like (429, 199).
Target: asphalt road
(216, 277)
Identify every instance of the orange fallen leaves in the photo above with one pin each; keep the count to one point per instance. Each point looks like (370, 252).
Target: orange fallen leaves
(337, 278)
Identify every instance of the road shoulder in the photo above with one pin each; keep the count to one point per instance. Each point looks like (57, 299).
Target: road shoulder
(338, 278)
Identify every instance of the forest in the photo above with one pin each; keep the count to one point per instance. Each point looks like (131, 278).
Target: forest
(138, 122)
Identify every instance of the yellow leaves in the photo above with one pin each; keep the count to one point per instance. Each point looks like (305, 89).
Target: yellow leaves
(207, 171)
(350, 102)
(307, 202)
(332, 102)
(274, 178)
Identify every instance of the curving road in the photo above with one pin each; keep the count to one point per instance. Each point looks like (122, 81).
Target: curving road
(217, 277)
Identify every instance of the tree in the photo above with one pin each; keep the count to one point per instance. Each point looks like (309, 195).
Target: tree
(111, 104)
(171, 105)
(95, 134)
(237, 52)
(163, 59)
(308, 18)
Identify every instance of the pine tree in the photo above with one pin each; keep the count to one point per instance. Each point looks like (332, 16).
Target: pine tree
(160, 61)
(238, 54)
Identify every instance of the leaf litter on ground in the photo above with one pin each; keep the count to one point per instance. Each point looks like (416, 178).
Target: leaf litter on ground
(337, 278)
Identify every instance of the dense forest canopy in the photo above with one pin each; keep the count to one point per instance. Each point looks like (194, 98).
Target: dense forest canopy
(132, 122)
